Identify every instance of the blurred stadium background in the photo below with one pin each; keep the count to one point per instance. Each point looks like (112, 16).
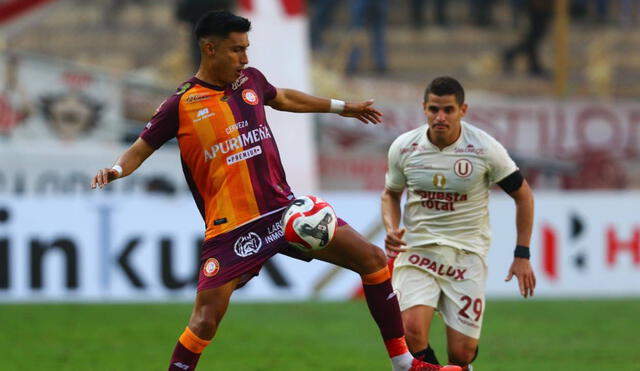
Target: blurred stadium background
(79, 80)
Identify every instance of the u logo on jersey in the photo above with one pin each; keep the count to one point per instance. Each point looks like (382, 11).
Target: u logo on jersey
(463, 168)
(439, 180)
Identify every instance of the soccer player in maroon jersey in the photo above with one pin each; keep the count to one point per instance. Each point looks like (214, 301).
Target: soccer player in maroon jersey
(233, 168)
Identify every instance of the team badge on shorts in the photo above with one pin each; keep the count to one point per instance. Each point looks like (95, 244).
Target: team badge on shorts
(211, 267)
(250, 96)
(248, 244)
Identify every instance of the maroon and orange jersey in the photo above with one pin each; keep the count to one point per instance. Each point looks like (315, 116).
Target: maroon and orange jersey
(229, 156)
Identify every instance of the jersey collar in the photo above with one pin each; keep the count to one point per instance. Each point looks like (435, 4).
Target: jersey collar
(448, 148)
(206, 84)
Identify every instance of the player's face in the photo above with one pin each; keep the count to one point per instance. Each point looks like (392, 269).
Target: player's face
(229, 57)
(443, 116)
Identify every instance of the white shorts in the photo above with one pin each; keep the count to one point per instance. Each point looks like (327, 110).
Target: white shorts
(448, 279)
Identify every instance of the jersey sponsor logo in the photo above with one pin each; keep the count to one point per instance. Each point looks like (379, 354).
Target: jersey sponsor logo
(441, 201)
(196, 97)
(203, 114)
(470, 148)
(181, 365)
(463, 168)
(239, 81)
(238, 142)
(439, 180)
(211, 267)
(274, 232)
(183, 88)
(159, 108)
(236, 126)
(148, 125)
(426, 166)
(413, 147)
(437, 268)
(250, 97)
(247, 245)
(244, 155)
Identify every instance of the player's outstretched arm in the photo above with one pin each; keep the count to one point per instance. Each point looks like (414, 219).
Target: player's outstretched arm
(391, 212)
(521, 266)
(296, 101)
(126, 164)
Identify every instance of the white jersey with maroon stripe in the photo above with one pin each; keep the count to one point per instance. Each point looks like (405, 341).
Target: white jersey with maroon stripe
(448, 189)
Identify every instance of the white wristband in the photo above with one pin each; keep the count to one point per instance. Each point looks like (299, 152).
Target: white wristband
(118, 169)
(337, 106)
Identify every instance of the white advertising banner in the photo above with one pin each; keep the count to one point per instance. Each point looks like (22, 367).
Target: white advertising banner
(36, 169)
(285, 65)
(105, 247)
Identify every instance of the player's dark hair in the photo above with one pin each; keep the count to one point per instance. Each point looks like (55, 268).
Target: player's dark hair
(445, 85)
(220, 23)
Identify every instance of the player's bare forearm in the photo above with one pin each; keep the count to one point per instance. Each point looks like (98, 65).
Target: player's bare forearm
(523, 198)
(296, 101)
(391, 213)
(291, 100)
(126, 164)
(521, 267)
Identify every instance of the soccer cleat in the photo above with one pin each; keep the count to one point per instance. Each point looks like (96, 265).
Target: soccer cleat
(417, 365)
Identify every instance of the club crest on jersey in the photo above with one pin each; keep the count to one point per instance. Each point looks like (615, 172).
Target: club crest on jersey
(463, 168)
(211, 267)
(247, 245)
(439, 180)
(250, 97)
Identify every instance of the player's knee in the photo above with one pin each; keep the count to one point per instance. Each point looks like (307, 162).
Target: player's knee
(203, 326)
(417, 337)
(463, 354)
(375, 258)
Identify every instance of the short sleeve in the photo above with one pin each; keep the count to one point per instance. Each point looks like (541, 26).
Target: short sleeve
(394, 178)
(164, 124)
(499, 162)
(268, 91)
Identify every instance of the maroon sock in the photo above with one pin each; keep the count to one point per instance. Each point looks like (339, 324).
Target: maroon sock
(183, 359)
(384, 308)
(187, 351)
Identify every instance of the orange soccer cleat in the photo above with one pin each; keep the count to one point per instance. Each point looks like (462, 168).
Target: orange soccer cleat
(417, 365)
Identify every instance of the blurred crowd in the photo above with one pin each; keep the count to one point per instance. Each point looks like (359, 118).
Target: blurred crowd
(530, 18)
(145, 40)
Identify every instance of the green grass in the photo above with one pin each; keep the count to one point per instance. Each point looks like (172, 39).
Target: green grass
(517, 335)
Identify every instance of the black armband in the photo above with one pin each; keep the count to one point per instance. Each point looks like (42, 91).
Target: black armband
(521, 252)
(511, 182)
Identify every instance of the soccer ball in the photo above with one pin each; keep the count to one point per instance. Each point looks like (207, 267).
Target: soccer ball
(309, 223)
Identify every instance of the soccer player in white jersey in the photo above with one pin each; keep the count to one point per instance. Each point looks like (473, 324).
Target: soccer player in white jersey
(447, 168)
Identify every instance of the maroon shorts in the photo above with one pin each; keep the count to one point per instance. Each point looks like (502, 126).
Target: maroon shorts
(243, 251)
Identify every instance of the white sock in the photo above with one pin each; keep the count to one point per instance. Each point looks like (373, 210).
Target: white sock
(402, 362)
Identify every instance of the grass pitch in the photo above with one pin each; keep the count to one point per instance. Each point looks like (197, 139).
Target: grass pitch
(517, 335)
